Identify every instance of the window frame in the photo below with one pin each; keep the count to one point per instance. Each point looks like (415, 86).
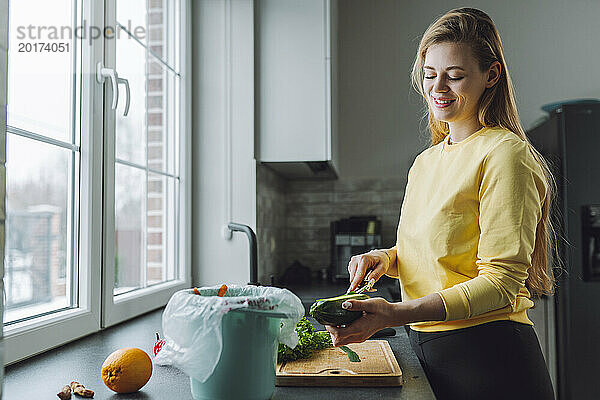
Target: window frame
(36, 335)
(95, 309)
(139, 301)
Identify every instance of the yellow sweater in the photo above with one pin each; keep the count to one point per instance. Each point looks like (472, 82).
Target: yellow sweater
(467, 228)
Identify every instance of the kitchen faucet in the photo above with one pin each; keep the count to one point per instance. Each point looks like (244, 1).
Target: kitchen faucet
(233, 226)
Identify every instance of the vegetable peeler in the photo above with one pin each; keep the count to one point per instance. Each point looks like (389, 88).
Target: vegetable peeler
(367, 287)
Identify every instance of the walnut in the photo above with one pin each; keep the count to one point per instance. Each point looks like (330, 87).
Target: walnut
(65, 393)
(80, 390)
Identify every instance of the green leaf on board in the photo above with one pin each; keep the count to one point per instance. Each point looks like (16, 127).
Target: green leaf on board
(352, 356)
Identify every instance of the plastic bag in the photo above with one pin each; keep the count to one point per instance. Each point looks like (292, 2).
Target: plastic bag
(192, 324)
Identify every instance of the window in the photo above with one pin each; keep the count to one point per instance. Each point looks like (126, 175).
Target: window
(144, 160)
(93, 195)
(42, 169)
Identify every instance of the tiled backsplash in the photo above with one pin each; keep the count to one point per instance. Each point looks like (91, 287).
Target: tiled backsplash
(294, 216)
(270, 229)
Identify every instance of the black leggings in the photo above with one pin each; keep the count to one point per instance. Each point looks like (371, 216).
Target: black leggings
(495, 360)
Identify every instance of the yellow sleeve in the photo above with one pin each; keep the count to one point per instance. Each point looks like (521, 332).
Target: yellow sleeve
(511, 193)
(393, 270)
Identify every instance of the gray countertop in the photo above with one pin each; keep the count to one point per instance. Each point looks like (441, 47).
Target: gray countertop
(415, 384)
(42, 376)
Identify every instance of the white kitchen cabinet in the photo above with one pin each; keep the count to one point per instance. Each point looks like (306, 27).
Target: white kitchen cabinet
(295, 86)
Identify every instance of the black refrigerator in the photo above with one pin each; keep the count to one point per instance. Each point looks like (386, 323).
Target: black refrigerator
(570, 141)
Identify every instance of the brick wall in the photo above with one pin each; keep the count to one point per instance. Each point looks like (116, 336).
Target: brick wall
(309, 207)
(156, 139)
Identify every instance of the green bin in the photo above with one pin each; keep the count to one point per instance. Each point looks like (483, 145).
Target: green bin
(246, 369)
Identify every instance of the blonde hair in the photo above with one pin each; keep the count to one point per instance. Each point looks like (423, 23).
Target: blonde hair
(497, 107)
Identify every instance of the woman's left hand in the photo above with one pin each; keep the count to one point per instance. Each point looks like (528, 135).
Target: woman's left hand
(378, 313)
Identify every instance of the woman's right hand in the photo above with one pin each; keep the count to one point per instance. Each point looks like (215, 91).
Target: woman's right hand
(367, 266)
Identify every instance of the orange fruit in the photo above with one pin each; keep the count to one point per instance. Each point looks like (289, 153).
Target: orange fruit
(127, 370)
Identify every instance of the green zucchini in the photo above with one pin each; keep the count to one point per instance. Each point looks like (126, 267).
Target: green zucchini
(330, 312)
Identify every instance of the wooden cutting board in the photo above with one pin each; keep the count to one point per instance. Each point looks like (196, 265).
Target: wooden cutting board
(331, 367)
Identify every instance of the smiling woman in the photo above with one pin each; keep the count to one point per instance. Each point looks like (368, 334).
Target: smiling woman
(472, 240)
(453, 83)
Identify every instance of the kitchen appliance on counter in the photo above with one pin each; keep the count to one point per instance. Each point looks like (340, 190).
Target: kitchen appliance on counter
(569, 140)
(352, 236)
